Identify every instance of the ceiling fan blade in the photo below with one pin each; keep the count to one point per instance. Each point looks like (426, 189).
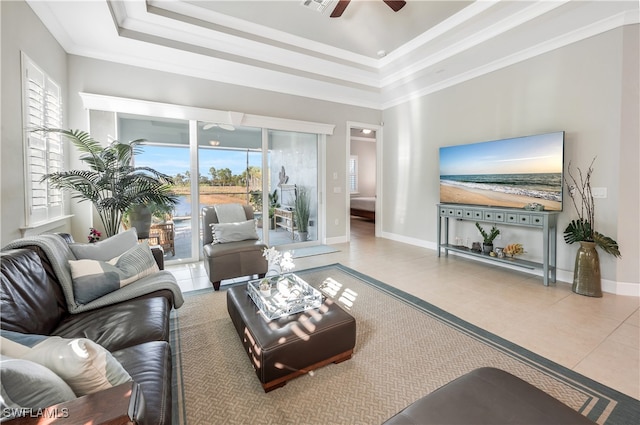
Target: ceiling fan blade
(395, 5)
(339, 9)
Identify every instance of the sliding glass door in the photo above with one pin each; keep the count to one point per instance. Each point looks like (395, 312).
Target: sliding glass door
(274, 171)
(293, 187)
(230, 167)
(166, 149)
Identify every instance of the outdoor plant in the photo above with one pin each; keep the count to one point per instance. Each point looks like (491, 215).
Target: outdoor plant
(273, 203)
(488, 237)
(111, 182)
(583, 229)
(302, 209)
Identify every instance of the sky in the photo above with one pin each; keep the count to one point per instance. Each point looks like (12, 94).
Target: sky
(174, 160)
(534, 154)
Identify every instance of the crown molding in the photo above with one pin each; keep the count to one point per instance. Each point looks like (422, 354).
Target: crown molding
(167, 36)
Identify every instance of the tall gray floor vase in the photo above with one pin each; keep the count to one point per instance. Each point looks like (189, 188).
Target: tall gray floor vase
(586, 275)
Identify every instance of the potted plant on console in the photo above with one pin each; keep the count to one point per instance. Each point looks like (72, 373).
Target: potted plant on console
(487, 245)
(586, 274)
(111, 182)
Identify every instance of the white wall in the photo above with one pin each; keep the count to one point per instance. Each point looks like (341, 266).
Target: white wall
(588, 89)
(21, 30)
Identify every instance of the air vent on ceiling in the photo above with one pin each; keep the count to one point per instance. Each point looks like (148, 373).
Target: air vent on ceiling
(319, 5)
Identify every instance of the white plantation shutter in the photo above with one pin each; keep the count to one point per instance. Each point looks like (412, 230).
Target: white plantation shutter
(353, 173)
(43, 152)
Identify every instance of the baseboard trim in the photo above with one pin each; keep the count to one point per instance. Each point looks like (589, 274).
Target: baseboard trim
(609, 286)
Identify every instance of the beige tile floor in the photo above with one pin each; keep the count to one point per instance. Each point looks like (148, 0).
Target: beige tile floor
(597, 337)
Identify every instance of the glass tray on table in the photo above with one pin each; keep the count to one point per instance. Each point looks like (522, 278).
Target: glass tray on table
(287, 294)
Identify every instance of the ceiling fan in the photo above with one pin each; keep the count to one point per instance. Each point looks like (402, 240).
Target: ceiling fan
(210, 125)
(395, 5)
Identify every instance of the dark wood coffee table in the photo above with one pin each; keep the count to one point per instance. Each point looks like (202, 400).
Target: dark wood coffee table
(284, 348)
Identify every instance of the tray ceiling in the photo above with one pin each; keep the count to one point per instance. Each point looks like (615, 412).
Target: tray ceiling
(369, 57)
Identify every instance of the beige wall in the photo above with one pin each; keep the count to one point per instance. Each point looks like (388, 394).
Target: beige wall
(588, 89)
(21, 31)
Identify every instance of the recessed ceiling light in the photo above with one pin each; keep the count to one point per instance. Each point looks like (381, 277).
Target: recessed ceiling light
(382, 53)
(366, 131)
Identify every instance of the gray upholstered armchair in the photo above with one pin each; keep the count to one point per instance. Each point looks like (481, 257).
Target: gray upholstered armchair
(231, 259)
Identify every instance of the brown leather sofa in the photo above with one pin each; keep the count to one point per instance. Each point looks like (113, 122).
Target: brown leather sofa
(488, 396)
(136, 332)
(231, 259)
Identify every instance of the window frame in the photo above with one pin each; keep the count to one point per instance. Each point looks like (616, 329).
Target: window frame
(43, 152)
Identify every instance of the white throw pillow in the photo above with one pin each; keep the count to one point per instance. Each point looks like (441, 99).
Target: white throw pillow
(84, 365)
(29, 385)
(107, 249)
(92, 279)
(234, 232)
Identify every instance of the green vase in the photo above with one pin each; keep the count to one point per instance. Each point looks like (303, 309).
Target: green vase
(586, 276)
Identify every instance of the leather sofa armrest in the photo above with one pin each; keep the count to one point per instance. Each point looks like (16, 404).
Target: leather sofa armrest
(119, 405)
(158, 255)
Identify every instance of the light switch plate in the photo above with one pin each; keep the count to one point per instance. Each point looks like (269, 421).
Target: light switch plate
(599, 192)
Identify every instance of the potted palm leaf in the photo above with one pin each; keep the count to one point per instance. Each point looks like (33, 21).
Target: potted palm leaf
(586, 275)
(111, 182)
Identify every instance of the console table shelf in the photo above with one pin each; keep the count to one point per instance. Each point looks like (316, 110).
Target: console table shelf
(514, 261)
(545, 221)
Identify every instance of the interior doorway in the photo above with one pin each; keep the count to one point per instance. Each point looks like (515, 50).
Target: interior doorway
(363, 179)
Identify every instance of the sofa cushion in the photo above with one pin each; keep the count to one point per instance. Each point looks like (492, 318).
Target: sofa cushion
(29, 385)
(84, 365)
(123, 324)
(94, 278)
(31, 302)
(107, 249)
(233, 232)
(149, 365)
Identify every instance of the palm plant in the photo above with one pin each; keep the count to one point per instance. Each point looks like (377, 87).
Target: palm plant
(111, 183)
(583, 229)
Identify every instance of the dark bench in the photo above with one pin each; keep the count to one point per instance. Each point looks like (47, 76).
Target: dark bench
(488, 396)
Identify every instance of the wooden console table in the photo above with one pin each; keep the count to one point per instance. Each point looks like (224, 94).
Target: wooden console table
(286, 220)
(546, 221)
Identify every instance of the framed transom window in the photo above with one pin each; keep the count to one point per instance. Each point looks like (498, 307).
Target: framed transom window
(42, 107)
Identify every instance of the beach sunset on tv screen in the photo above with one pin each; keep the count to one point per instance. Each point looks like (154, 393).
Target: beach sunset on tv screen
(504, 173)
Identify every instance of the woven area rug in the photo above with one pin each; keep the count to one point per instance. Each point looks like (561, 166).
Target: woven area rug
(405, 349)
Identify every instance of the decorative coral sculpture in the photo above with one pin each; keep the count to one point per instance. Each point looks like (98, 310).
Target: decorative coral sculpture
(513, 249)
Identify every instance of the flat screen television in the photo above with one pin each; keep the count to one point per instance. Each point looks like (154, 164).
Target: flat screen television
(504, 173)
